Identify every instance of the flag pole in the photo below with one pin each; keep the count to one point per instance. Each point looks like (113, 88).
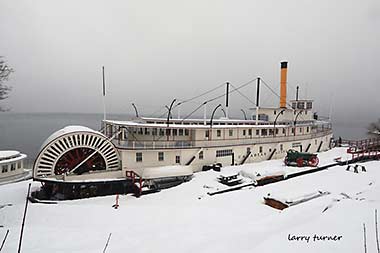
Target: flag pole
(104, 95)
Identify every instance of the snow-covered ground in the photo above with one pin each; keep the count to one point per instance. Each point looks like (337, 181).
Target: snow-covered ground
(186, 219)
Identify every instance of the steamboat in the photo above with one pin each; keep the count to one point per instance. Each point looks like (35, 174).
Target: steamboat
(153, 153)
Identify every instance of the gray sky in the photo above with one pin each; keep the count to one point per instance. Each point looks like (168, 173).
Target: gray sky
(154, 51)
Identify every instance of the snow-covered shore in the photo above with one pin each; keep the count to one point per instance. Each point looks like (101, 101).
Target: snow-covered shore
(186, 219)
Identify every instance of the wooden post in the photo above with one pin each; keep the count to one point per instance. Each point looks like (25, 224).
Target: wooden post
(377, 233)
(364, 239)
(5, 238)
(23, 219)
(108, 240)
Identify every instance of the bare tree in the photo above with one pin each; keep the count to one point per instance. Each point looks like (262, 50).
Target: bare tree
(5, 72)
(374, 129)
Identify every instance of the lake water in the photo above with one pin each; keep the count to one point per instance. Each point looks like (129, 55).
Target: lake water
(26, 132)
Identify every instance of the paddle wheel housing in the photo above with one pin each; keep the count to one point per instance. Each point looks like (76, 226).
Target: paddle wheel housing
(75, 150)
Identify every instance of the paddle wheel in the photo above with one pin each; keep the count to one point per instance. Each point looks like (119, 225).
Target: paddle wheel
(73, 159)
(75, 150)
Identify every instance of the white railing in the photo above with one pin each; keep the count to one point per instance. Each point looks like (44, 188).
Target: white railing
(129, 144)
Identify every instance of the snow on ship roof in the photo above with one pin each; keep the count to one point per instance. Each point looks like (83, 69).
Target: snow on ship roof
(7, 156)
(171, 125)
(166, 171)
(67, 130)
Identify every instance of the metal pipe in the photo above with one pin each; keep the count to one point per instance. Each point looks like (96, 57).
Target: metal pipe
(134, 106)
(169, 111)
(213, 113)
(257, 100)
(295, 121)
(170, 114)
(245, 115)
(224, 112)
(257, 92)
(275, 120)
(227, 95)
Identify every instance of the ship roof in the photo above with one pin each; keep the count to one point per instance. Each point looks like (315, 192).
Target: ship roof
(216, 124)
(7, 156)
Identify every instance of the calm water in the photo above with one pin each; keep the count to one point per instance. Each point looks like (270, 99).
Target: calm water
(27, 131)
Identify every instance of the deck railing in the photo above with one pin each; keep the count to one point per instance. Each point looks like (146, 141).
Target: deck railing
(215, 143)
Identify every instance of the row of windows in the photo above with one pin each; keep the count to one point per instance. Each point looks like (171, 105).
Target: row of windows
(219, 153)
(224, 152)
(264, 132)
(11, 167)
(160, 157)
(161, 131)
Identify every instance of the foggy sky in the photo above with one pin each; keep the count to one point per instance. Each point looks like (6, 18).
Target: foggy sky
(154, 51)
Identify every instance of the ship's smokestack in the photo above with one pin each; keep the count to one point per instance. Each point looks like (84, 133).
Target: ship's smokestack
(284, 73)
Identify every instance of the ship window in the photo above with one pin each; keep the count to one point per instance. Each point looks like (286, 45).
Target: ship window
(281, 147)
(167, 132)
(140, 131)
(307, 129)
(270, 131)
(147, 131)
(138, 157)
(200, 156)
(257, 132)
(177, 159)
(207, 133)
(154, 131)
(160, 156)
(283, 130)
(180, 132)
(4, 168)
(276, 130)
(300, 129)
(162, 132)
(249, 131)
(293, 130)
(19, 165)
(308, 105)
(218, 133)
(301, 105)
(13, 166)
(274, 112)
(244, 132)
(174, 132)
(231, 132)
(264, 132)
(248, 150)
(186, 132)
(224, 152)
(260, 149)
(294, 105)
